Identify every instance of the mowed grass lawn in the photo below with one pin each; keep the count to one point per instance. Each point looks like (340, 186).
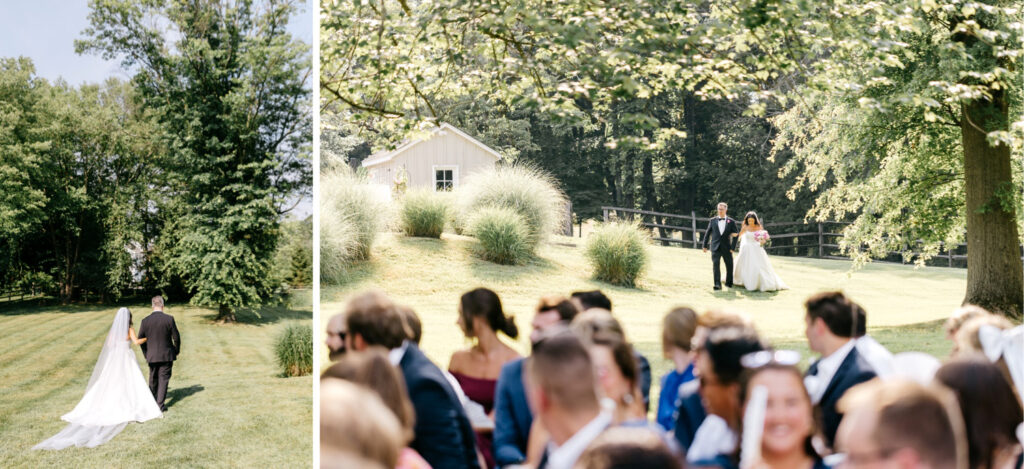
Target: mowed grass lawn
(228, 405)
(905, 306)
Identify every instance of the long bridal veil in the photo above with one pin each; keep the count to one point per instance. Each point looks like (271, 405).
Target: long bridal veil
(116, 395)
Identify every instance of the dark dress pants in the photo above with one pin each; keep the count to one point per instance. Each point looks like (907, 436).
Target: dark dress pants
(159, 375)
(716, 257)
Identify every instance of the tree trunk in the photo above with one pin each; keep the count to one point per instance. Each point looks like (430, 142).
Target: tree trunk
(995, 276)
(225, 314)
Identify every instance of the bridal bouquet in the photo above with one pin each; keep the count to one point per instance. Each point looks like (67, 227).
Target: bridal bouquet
(761, 236)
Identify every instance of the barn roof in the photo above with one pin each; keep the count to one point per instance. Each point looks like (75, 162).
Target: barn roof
(385, 156)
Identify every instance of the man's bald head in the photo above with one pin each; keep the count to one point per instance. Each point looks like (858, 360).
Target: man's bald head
(337, 329)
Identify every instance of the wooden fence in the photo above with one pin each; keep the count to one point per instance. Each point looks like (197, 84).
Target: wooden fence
(819, 239)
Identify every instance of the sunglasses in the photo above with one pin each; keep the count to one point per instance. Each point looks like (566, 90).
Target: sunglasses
(766, 357)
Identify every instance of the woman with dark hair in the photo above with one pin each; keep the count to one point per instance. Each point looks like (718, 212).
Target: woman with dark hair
(477, 368)
(752, 269)
(990, 408)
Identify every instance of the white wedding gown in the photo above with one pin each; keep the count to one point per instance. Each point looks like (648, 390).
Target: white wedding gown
(116, 395)
(752, 269)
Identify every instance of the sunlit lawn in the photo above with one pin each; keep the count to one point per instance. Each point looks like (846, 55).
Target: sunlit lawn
(228, 405)
(905, 305)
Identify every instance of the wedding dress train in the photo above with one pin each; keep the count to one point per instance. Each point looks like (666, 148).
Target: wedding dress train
(753, 269)
(116, 395)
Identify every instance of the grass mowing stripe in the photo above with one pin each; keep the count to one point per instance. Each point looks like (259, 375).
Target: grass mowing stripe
(42, 331)
(31, 352)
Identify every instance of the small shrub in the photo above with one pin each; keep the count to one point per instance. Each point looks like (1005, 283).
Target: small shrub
(351, 216)
(530, 192)
(618, 253)
(502, 235)
(424, 213)
(294, 350)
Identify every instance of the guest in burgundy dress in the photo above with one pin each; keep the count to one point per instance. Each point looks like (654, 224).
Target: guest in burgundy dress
(477, 368)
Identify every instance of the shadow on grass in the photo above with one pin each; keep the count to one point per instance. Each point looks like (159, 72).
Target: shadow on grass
(37, 307)
(266, 315)
(177, 394)
(754, 294)
(356, 274)
(489, 271)
(426, 245)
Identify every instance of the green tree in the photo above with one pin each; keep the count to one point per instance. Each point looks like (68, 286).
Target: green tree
(844, 66)
(227, 83)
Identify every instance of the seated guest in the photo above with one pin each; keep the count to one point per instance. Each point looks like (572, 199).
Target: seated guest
(373, 370)
(831, 326)
(690, 411)
(901, 424)
(477, 368)
(719, 370)
(617, 377)
(443, 435)
(336, 331)
(626, 448)
(595, 299)
(788, 415)
(966, 339)
(356, 427)
(563, 392)
(990, 410)
(677, 329)
(512, 416)
(958, 318)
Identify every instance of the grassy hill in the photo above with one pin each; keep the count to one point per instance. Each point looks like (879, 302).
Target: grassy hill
(905, 306)
(227, 404)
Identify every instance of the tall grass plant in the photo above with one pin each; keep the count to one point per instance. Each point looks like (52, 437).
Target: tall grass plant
(618, 253)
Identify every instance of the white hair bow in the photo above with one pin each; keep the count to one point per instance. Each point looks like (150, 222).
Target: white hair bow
(1008, 344)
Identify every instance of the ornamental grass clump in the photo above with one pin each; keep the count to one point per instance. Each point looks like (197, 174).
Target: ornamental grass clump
(352, 213)
(502, 234)
(618, 253)
(424, 213)
(530, 192)
(294, 350)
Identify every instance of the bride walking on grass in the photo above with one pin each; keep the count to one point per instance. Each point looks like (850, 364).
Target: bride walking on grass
(752, 268)
(115, 396)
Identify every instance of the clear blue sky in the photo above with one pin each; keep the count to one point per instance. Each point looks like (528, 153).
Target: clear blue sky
(45, 31)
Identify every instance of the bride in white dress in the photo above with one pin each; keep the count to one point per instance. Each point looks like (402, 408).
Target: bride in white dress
(752, 269)
(116, 395)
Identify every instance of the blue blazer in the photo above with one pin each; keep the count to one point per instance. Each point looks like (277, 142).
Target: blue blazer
(512, 416)
(443, 435)
(853, 371)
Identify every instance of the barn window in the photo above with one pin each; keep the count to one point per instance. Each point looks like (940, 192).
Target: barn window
(445, 178)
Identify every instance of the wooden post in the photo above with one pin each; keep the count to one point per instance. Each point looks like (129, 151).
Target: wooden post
(605, 214)
(949, 255)
(693, 227)
(568, 219)
(821, 241)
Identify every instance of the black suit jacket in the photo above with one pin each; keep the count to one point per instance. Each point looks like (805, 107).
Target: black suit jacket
(853, 371)
(163, 342)
(444, 436)
(714, 237)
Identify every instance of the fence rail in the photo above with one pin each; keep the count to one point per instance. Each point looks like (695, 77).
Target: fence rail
(792, 238)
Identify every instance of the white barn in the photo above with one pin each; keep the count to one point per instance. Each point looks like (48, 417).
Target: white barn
(440, 160)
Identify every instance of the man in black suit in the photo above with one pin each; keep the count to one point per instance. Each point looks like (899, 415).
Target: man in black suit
(161, 348)
(442, 433)
(720, 235)
(833, 322)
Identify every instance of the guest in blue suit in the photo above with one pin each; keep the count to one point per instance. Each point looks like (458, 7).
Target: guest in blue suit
(512, 416)
(833, 321)
(442, 433)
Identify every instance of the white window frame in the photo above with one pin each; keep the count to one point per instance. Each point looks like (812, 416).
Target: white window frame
(443, 167)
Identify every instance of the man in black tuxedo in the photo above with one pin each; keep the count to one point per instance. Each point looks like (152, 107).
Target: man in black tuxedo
(161, 348)
(442, 433)
(720, 235)
(833, 322)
